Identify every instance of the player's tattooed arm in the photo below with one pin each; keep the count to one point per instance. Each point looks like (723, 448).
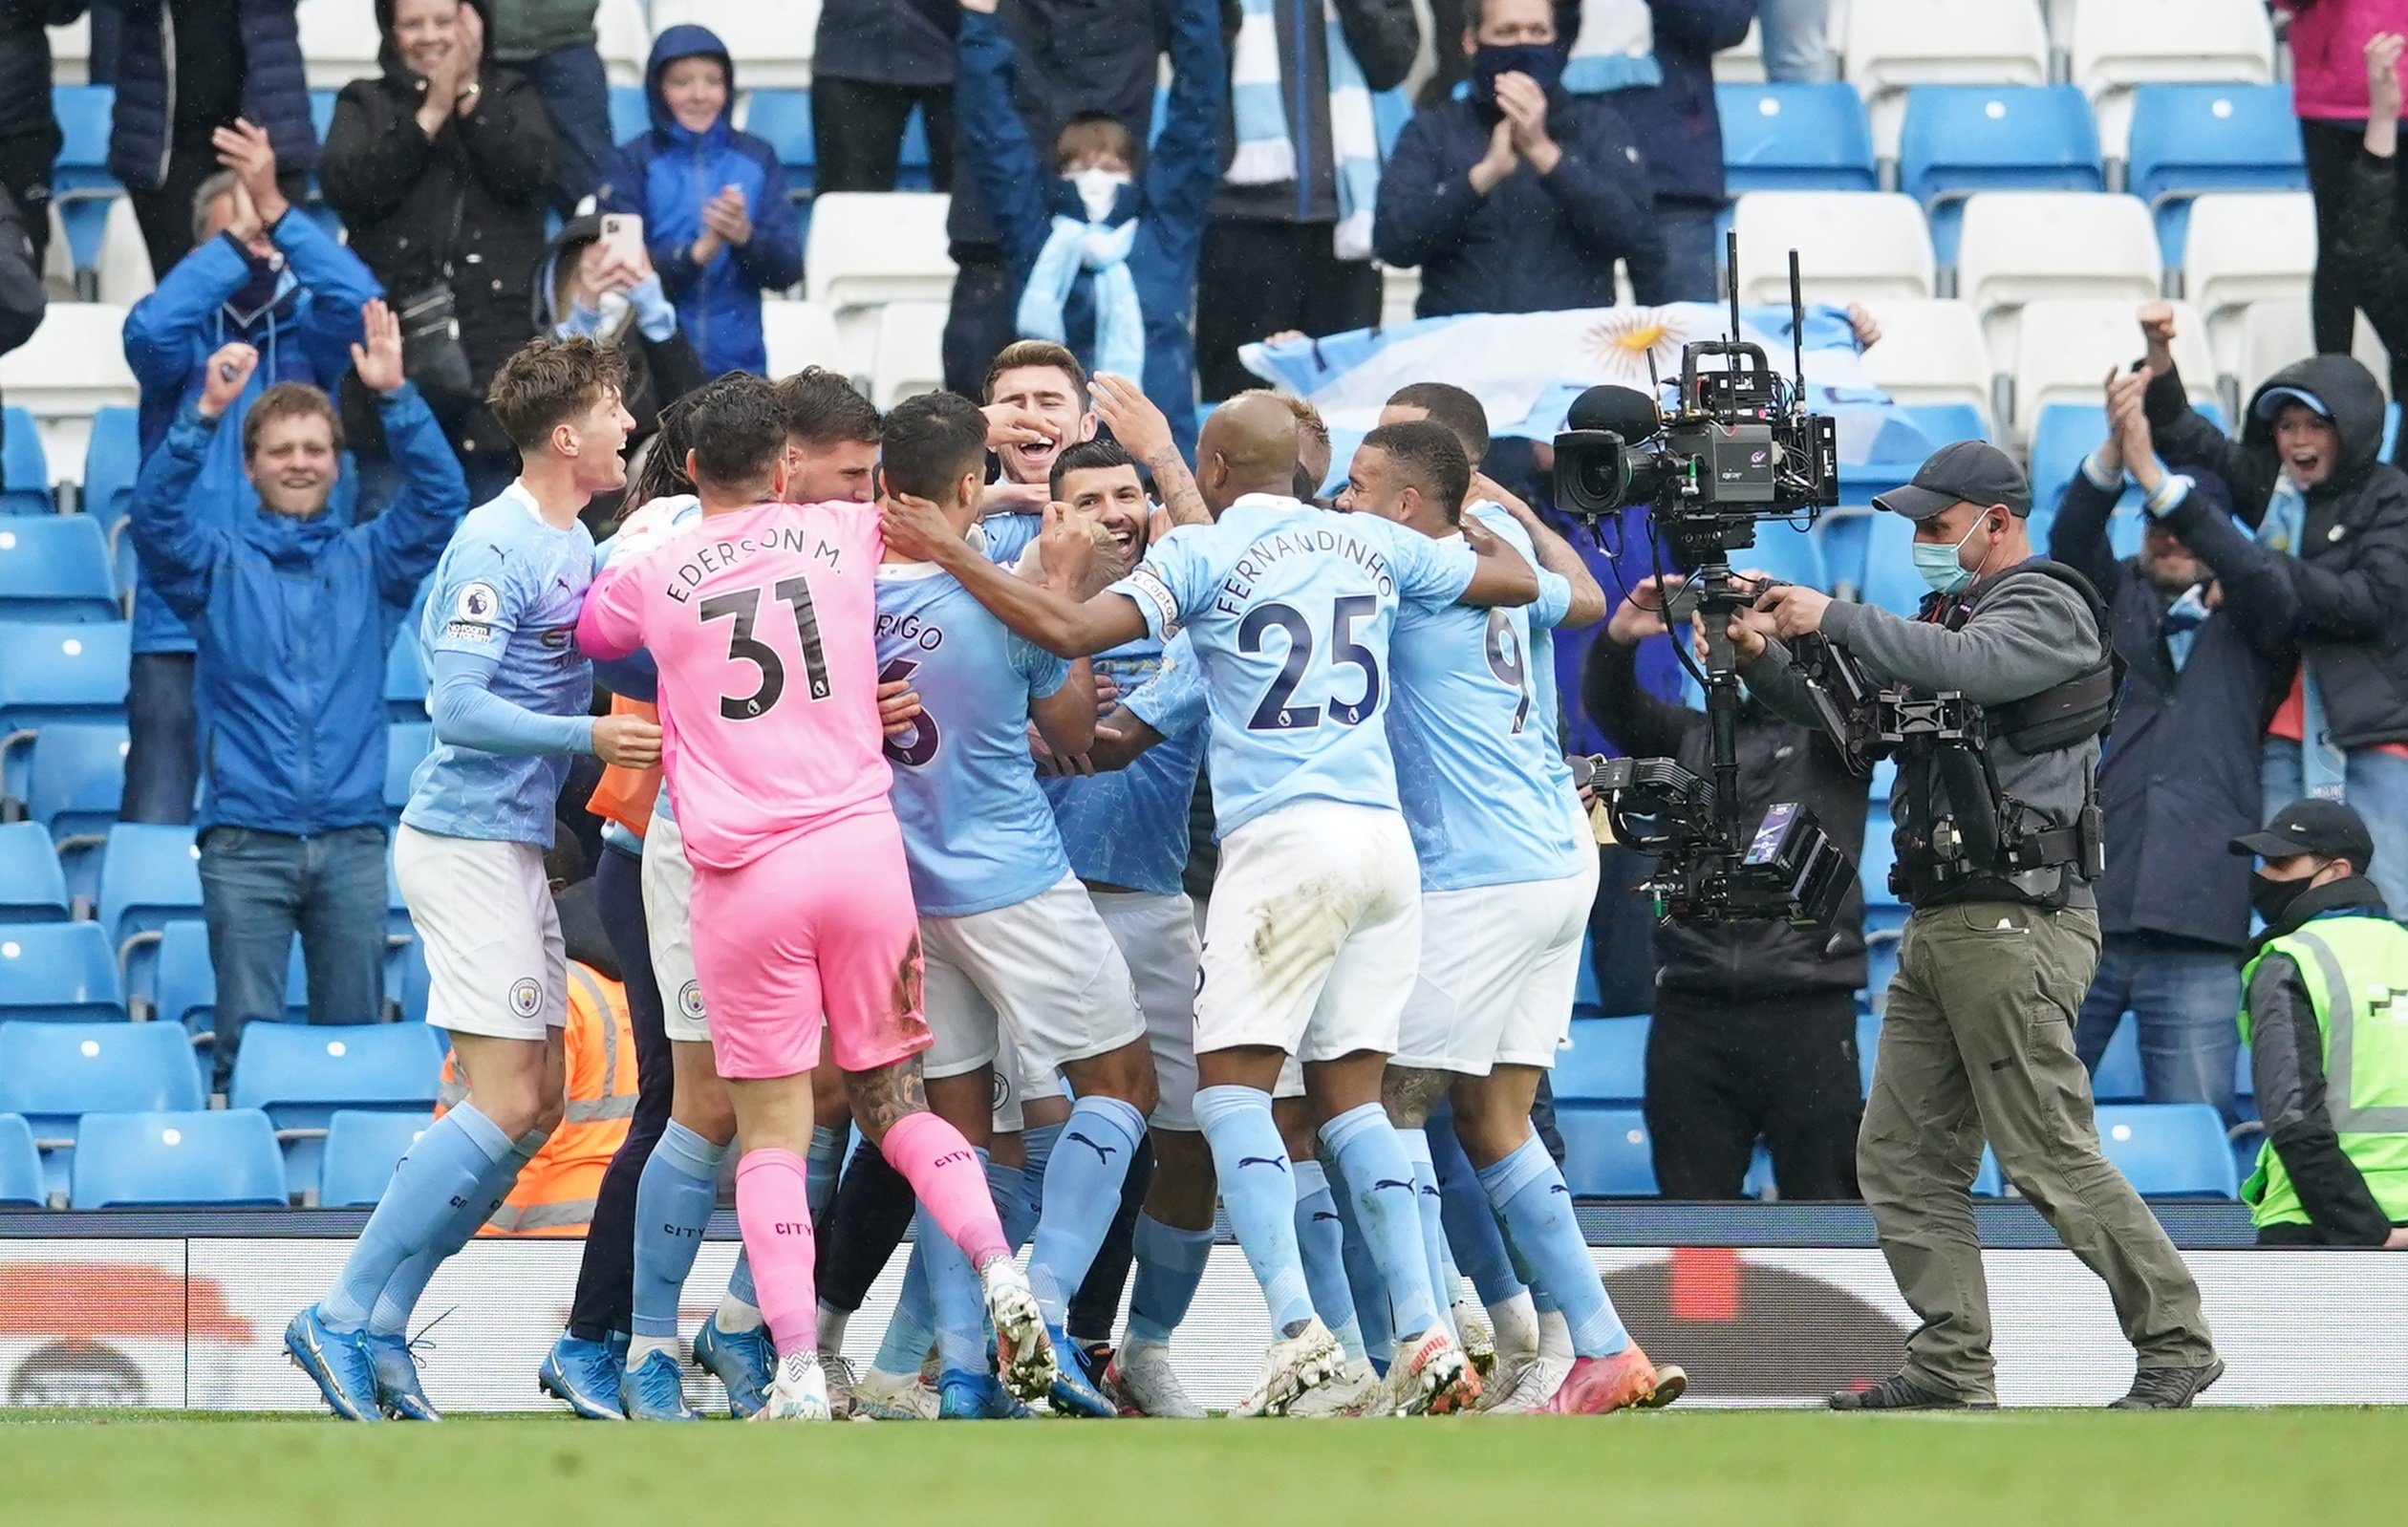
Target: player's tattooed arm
(1065, 628)
(1141, 428)
(1410, 1092)
(883, 1097)
(1555, 554)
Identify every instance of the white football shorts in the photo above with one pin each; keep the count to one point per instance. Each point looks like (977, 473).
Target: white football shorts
(495, 962)
(668, 919)
(1156, 935)
(1044, 971)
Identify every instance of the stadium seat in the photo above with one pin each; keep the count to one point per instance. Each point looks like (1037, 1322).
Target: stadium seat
(630, 113)
(74, 364)
(397, 924)
(623, 36)
(2063, 351)
(1842, 535)
(2273, 334)
(1795, 138)
(1606, 1154)
(1606, 1061)
(113, 459)
(339, 42)
(184, 984)
(55, 568)
(782, 118)
(2022, 246)
(71, 52)
(406, 979)
(405, 672)
(1893, 44)
(1788, 553)
(172, 1159)
(58, 973)
(912, 163)
(25, 483)
(2063, 433)
(2187, 139)
(81, 187)
(61, 673)
(74, 776)
(769, 40)
(31, 887)
(799, 335)
(55, 1073)
(1931, 352)
(406, 745)
(150, 874)
(910, 355)
(299, 1074)
(1890, 579)
(2117, 1077)
(1854, 246)
(864, 248)
(362, 1149)
(2116, 45)
(2244, 248)
(1943, 422)
(1743, 65)
(2169, 1150)
(1959, 140)
(20, 1163)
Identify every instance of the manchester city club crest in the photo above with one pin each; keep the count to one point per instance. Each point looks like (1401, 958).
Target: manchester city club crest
(690, 1000)
(527, 997)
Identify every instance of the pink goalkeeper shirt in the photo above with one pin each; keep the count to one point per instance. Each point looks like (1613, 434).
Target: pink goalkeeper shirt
(761, 624)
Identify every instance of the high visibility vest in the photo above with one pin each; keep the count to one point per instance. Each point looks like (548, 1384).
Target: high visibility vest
(626, 796)
(2356, 970)
(555, 1193)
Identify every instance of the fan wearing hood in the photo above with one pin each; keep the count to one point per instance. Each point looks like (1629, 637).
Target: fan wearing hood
(1103, 258)
(2304, 475)
(717, 213)
(583, 289)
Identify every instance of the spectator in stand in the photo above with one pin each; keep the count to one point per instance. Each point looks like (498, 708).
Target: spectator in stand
(872, 64)
(2366, 252)
(1755, 1030)
(185, 70)
(1657, 59)
(22, 297)
(270, 279)
(293, 611)
(1290, 244)
(713, 200)
(1093, 57)
(1518, 198)
(551, 42)
(438, 168)
(2202, 623)
(1103, 259)
(2304, 475)
(2330, 55)
(30, 138)
(585, 287)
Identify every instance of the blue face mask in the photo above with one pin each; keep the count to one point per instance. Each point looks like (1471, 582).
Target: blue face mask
(1939, 565)
(1541, 61)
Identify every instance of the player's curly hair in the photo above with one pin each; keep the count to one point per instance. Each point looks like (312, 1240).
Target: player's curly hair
(663, 474)
(736, 432)
(289, 400)
(1430, 458)
(550, 382)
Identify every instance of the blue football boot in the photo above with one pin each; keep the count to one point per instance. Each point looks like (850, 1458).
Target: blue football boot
(337, 1362)
(963, 1396)
(1075, 1392)
(742, 1361)
(586, 1375)
(398, 1391)
(651, 1391)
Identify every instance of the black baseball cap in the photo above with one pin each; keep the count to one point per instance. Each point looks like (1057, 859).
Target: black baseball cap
(1965, 471)
(2327, 827)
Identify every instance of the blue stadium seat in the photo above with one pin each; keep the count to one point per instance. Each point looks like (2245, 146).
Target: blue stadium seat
(1868, 1038)
(74, 777)
(55, 568)
(1845, 533)
(1873, 865)
(406, 979)
(227, 1157)
(1391, 111)
(783, 117)
(32, 888)
(62, 673)
(1788, 553)
(322, 111)
(1885, 777)
(397, 924)
(1606, 1062)
(1796, 138)
(113, 459)
(2190, 139)
(184, 984)
(405, 677)
(60, 972)
(57, 1073)
(2169, 1150)
(1890, 579)
(406, 744)
(1943, 422)
(2118, 1078)
(25, 485)
(911, 161)
(1988, 1182)
(20, 1163)
(2062, 436)
(150, 874)
(81, 187)
(1606, 1154)
(362, 1150)
(630, 112)
(1958, 140)
(300, 1074)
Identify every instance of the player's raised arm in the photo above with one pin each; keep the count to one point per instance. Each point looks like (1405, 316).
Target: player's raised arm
(1502, 575)
(1065, 627)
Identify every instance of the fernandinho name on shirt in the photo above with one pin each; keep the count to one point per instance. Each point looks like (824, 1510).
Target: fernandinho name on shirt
(1238, 586)
(717, 556)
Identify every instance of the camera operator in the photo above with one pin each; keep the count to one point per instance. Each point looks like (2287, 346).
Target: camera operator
(1755, 1030)
(1978, 1035)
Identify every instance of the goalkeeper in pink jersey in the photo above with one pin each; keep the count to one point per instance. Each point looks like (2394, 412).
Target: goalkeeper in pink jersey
(759, 618)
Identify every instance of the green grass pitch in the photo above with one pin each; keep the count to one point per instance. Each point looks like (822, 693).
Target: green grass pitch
(2027, 1469)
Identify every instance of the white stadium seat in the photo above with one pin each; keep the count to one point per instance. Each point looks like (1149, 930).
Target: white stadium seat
(71, 52)
(2118, 44)
(1399, 292)
(797, 335)
(2023, 246)
(2245, 248)
(1854, 245)
(74, 364)
(769, 40)
(1892, 44)
(339, 42)
(1930, 352)
(624, 39)
(869, 247)
(911, 353)
(2064, 350)
(2275, 334)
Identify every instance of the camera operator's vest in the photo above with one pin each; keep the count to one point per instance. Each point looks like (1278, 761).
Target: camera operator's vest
(1992, 846)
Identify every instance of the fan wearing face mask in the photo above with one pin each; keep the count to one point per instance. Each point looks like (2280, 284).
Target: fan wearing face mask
(1101, 252)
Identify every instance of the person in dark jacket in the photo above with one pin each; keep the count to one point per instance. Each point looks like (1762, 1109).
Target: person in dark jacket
(551, 42)
(1290, 244)
(294, 611)
(1518, 198)
(185, 68)
(874, 62)
(30, 137)
(1755, 1031)
(1103, 259)
(439, 168)
(22, 298)
(1090, 58)
(713, 200)
(2328, 1066)
(271, 279)
(2202, 620)
(2304, 475)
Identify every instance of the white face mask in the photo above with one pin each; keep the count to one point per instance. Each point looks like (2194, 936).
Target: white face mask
(1097, 188)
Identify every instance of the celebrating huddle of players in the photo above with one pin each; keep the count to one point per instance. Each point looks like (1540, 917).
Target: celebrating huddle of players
(929, 746)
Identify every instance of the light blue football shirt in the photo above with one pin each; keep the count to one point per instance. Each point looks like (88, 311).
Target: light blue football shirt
(507, 586)
(1472, 747)
(1008, 533)
(1290, 609)
(1129, 827)
(977, 830)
